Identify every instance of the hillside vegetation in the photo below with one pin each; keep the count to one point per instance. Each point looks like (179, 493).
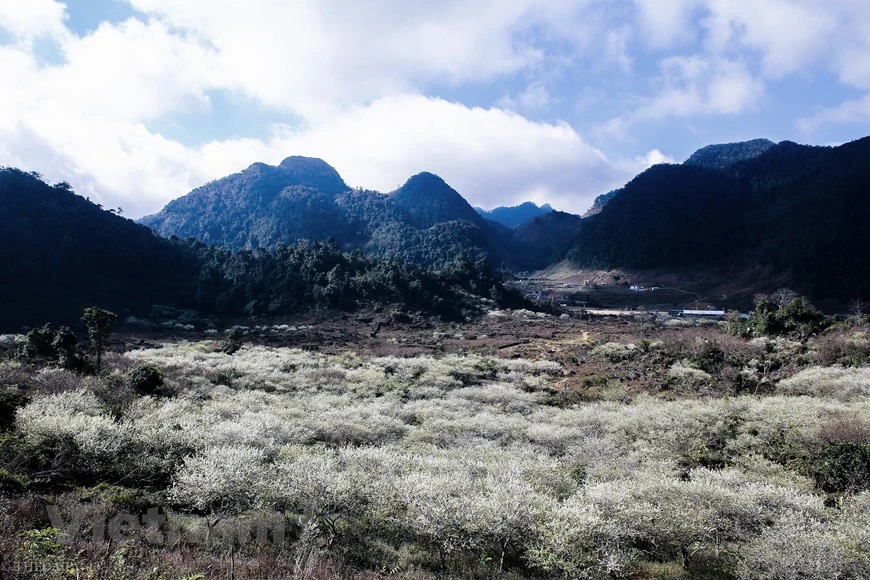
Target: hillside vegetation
(801, 212)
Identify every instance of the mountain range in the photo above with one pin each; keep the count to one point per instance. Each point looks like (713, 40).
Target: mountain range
(425, 221)
(516, 215)
(794, 211)
(765, 214)
(61, 253)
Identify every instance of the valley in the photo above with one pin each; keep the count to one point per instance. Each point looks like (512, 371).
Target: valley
(503, 290)
(279, 376)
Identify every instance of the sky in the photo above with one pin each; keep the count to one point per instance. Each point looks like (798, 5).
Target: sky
(136, 102)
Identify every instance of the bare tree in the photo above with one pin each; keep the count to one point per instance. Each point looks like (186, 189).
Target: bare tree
(856, 309)
(783, 296)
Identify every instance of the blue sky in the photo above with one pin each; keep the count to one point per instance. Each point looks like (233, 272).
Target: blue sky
(135, 102)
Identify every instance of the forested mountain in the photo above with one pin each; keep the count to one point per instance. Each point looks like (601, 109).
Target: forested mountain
(800, 213)
(425, 221)
(430, 201)
(803, 212)
(544, 239)
(60, 253)
(515, 215)
(261, 207)
(599, 203)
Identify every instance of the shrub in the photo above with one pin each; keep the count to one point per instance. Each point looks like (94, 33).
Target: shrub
(51, 380)
(682, 375)
(11, 399)
(782, 313)
(800, 547)
(232, 341)
(12, 483)
(846, 346)
(221, 479)
(615, 351)
(59, 346)
(843, 465)
(75, 426)
(577, 541)
(836, 382)
(145, 379)
(39, 343)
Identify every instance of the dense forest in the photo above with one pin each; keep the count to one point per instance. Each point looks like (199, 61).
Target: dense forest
(803, 212)
(60, 252)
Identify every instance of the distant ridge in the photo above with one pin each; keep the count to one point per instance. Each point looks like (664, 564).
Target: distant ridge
(515, 215)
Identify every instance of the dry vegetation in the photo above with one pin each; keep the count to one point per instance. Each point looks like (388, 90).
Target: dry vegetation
(518, 446)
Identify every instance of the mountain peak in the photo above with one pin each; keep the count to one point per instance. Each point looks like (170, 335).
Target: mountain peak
(427, 180)
(313, 172)
(516, 215)
(430, 200)
(297, 162)
(723, 155)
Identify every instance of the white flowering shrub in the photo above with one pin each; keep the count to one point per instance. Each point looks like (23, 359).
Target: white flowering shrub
(75, 417)
(576, 541)
(463, 463)
(222, 479)
(683, 375)
(615, 351)
(844, 384)
(12, 340)
(799, 547)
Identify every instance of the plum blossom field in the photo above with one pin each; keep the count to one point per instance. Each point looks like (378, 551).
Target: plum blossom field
(464, 465)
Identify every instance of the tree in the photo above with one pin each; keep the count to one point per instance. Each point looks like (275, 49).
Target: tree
(782, 297)
(99, 323)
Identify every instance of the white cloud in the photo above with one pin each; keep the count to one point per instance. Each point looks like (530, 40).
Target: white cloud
(491, 156)
(852, 111)
(666, 23)
(131, 71)
(739, 48)
(312, 56)
(617, 43)
(698, 85)
(654, 157)
(788, 34)
(30, 19)
(536, 96)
